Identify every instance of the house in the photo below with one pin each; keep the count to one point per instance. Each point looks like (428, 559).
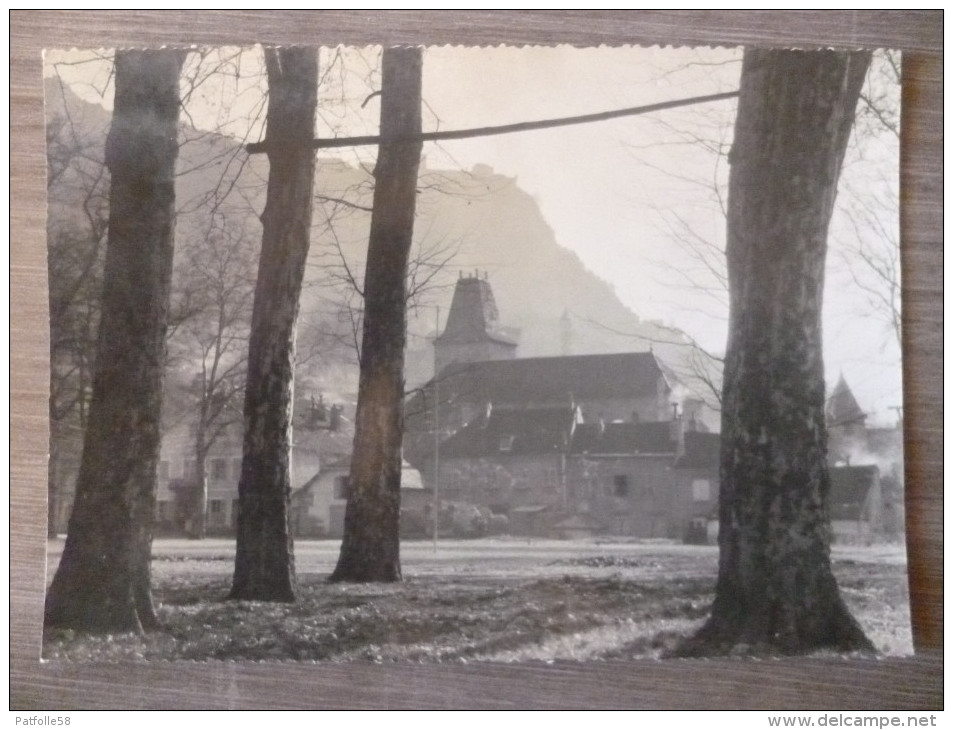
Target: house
(602, 444)
(549, 473)
(886, 444)
(510, 460)
(476, 366)
(178, 479)
(646, 480)
(853, 443)
(621, 476)
(317, 507)
(697, 472)
(613, 387)
(857, 504)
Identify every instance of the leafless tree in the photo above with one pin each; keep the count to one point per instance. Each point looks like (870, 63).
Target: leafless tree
(214, 295)
(867, 241)
(264, 558)
(337, 326)
(370, 550)
(864, 240)
(103, 579)
(76, 230)
(775, 591)
(78, 186)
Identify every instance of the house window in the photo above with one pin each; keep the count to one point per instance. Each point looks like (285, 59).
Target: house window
(506, 443)
(163, 510)
(216, 511)
(701, 490)
(219, 469)
(340, 487)
(620, 485)
(164, 470)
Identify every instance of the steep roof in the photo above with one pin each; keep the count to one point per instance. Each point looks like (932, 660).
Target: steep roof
(509, 431)
(553, 379)
(473, 314)
(623, 438)
(842, 408)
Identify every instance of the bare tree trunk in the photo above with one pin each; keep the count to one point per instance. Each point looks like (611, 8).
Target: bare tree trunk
(776, 592)
(370, 550)
(264, 558)
(103, 580)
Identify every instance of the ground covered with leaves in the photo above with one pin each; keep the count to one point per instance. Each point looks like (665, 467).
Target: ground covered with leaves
(508, 602)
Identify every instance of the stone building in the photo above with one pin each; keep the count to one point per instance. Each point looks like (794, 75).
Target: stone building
(599, 439)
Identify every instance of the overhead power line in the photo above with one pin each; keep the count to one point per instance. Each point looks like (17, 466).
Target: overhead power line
(331, 142)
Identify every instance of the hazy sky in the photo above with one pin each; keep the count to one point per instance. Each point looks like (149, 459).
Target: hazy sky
(627, 195)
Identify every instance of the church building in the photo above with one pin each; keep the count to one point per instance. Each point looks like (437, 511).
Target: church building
(535, 439)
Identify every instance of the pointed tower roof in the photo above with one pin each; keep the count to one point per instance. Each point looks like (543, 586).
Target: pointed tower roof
(473, 314)
(842, 408)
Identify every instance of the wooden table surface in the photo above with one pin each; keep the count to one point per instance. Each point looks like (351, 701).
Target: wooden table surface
(914, 683)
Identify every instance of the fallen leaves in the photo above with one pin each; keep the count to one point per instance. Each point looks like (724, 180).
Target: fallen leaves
(601, 607)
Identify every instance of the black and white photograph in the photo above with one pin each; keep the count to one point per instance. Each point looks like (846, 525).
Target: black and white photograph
(425, 369)
(474, 354)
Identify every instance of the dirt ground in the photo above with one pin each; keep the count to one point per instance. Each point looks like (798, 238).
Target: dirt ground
(497, 600)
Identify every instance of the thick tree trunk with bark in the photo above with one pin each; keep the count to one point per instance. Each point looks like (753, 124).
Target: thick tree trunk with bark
(103, 580)
(264, 558)
(776, 592)
(370, 550)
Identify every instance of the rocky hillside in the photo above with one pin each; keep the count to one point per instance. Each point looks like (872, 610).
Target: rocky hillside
(467, 221)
